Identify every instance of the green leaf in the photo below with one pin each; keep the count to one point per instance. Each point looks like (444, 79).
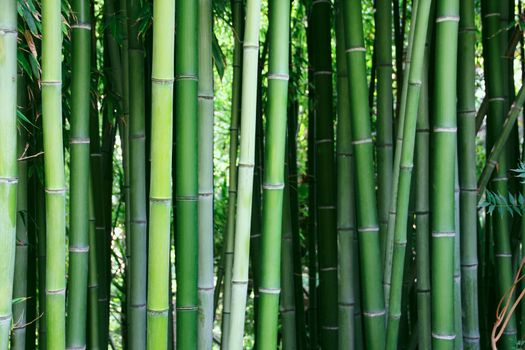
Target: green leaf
(218, 56)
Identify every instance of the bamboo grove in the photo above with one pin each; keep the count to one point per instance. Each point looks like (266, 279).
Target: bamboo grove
(280, 174)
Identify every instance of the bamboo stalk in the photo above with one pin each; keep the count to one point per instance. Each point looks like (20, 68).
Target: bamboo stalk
(442, 190)
(366, 212)
(55, 186)
(8, 163)
(239, 281)
(205, 330)
(79, 178)
(160, 187)
(273, 182)
(93, 338)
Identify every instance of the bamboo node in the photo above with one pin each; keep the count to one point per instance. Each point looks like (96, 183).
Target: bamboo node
(55, 190)
(493, 14)
(7, 31)
(206, 97)
(51, 83)
(85, 26)
(503, 255)
(326, 207)
(140, 136)
(205, 194)
(76, 347)
(322, 72)
(162, 81)
(5, 319)
(497, 179)
(443, 336)
(378, 313)
(445, 129)
(159, 313)
(186, 198)
(345, 228)
(270, 290)
(166, 201)
(323, 141)
(328, 269)
(330, 328)
(187, 308)
(368, 229)
(444, 234)
(73, 249)
(79, 140)
(356, 49)
(276, 186)
(250, 47)
(192, 77)
(138, 306)
(9, 180)
(363, 141)
(56, 291)
(495, 99)
(277, 76)
(447, 19)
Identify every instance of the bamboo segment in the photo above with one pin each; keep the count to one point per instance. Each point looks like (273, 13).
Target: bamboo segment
(93, 337)
(137, 237)
(238, 28)
(55, 186)
(467, 174)
(443, 183)
(186, 181)
(405, 171)
(20, 283)
(239, 281)
(497, 103)
(273, 182)
(8, 163)
(79, 179)
(348, 327)
(369, 245)
(325, 165)
(205, 330)
(160, 186)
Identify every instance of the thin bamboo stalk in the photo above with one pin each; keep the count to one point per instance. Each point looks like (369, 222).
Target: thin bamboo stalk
(238, 29)
(239, 281)
(325, 164)
(414, 77)
(443, 222)
(137, 179)
(93, 337)
(273, 181)
(366, 210)
(187, 179)
(497, 104)
(160, 187)
(8, 163)
(205, 330)
(20, 283)
(79, 178)
(345, 197)
(55, 186)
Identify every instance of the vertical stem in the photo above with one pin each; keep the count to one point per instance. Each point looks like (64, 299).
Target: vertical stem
(239, 282)
(237, 16)
(160, 187)
(186, 182)
(366, 212)
(79, 178)
(55, 185)
(320, 15)
(205, 330)
(8, 162)
(93, 338)
(273, 181)
(443, 222)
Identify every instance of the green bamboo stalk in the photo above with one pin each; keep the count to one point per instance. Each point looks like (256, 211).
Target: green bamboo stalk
(345, 197)
(160, 186)
(415, 76)
(422, 214)
(442, 196)
(79, 178)
(186, 182)
(239, 281)
(273, 181)
(287, 307)
(137, 179)
(369, 245)
(205, 330)
(55, 185)
(497, 104)
(458, 325)
(319, 20)
(40, 223)
(388, 244)
(93, 337)
(20, 283)
(383, 51)
(237, 19)
(467, 174)
(492, 162)
(8, 163)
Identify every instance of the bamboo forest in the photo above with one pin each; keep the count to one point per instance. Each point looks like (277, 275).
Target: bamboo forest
(249, 174)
